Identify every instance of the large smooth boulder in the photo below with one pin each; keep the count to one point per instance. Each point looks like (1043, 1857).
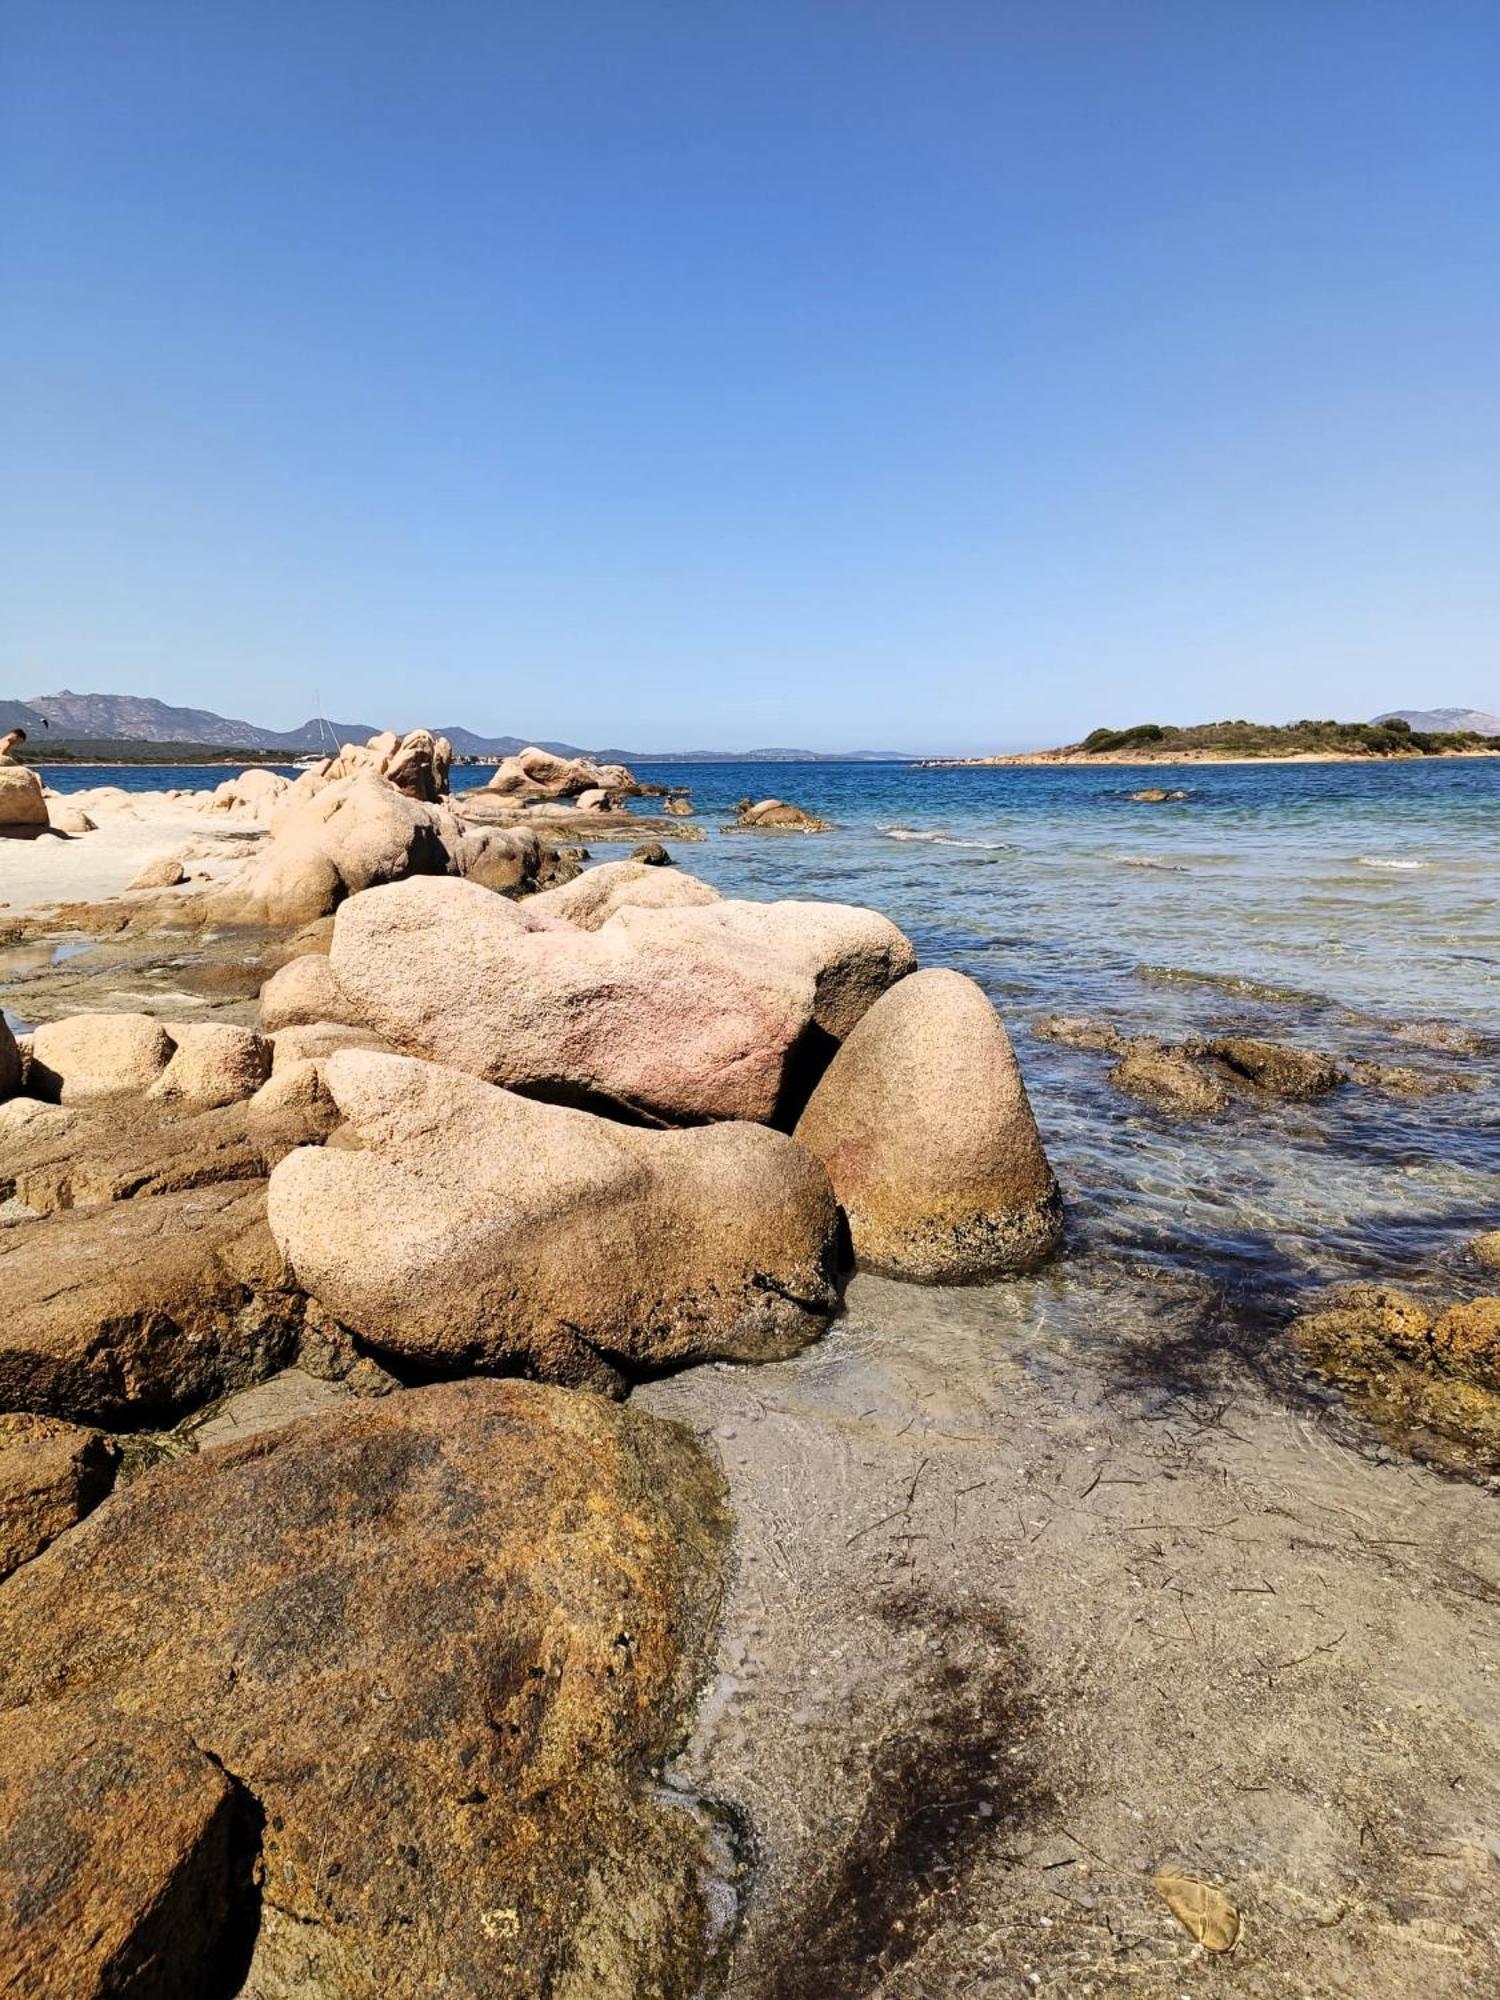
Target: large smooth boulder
(592, 898)
(87, 1057)
(117, 1862)
(923, 1123)
(254, 793)
(23, 806)
(51, 1474)
(165, 872)
(436, 1644)
(303, 991)
(144, 1307)
(539, 774)
(214, 1063)
(607, 1018)
(852, 955)
(508, 859)
(331, 844)
(466, 1227)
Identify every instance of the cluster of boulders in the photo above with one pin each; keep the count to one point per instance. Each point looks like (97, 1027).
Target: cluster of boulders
(1204, 1075)
(538, 776)
(361, 1704)
(775, 815)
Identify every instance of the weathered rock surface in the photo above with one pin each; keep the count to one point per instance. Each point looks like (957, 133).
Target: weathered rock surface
(1170, 1079)
(1430, 1381)
(1278, 1068)
(67, 819)
(593, 897)
(51, 1474)
(436, 1639)
(214, 1063)
(1485, 1249)
(850, 954)
(22, 804)
(923, 1123)
(468, 1227)
(125, 1148)
(88, 1057)
(116, 1857)
(445, 970)
(143, 1307)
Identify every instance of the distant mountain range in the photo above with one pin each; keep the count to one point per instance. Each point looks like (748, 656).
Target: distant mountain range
(1478, 719)
(128, 718)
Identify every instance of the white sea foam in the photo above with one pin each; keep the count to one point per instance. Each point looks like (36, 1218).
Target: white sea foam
(1149, 861)
(1387, 861)
(935, 837)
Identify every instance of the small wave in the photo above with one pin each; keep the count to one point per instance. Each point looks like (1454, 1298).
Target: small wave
(935, 837)
(1149, 861)
(1387, 861)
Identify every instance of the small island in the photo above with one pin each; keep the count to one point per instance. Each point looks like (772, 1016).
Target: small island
(1306, 742)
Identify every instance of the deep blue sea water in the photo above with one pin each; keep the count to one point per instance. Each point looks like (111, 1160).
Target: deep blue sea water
(1369, 893)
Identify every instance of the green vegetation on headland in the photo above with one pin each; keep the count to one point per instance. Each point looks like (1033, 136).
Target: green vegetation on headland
(1234, 742)
(1393, 738)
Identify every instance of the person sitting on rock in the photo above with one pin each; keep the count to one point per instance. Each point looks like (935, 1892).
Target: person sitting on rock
(8, 743)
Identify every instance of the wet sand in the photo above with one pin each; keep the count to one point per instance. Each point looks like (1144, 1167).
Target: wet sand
(1029, 1605)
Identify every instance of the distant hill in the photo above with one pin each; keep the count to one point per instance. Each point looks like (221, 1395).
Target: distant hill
(133, 718)
(1478, 721)
(101, 719)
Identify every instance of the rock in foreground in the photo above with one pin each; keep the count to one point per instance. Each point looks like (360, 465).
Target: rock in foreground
(472, 1228)
(431, 1643)
(144, 1307)
(923, 1123)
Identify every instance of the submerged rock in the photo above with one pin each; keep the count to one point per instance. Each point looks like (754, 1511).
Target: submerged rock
(1431, 1382)
(1170, 1079)
(923, 1123)
(431, 1644)
(444, 970)
(777, 814)
(1278, 1068)
(472, 1228)
(1082, 1031)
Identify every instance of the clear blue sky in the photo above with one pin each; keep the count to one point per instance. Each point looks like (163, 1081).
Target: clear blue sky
(892, 373)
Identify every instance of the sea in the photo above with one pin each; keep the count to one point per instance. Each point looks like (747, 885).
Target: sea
(1352, 908)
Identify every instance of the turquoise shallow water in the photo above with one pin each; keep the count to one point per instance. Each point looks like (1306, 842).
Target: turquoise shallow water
(1369, 893)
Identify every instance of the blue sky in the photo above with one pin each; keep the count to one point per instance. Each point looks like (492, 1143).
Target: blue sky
(842, 373)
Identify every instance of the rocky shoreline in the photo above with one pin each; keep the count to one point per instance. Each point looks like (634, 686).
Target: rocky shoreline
(473, 1526)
